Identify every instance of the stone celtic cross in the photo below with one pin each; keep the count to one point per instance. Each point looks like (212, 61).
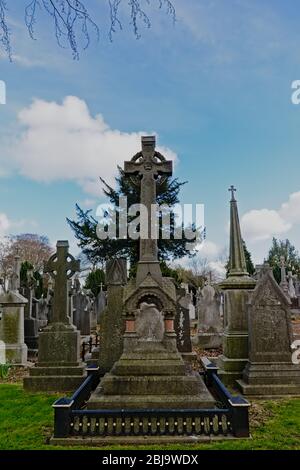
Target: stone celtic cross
(61, 266)
(148, 165)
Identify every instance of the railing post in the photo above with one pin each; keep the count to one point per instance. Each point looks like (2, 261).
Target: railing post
(62, 416)
(93, 370)
(83, 351)
(210, 369)
(240, 416)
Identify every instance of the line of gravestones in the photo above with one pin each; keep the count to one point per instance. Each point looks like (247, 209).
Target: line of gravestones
(250, 317)
(23, 316)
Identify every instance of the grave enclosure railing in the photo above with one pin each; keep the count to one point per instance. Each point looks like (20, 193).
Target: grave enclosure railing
(72, 419)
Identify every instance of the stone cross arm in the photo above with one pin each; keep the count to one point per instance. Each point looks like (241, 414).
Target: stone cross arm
(157, 168)
(62, 262)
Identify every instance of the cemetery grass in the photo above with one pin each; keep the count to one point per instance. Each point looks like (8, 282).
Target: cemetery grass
(26, 422)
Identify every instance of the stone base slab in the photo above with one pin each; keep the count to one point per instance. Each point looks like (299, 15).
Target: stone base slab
(202, 400)
(209, 340)
(269, 391)
(41, 383)
(16, 354)
(137, 440)
(271, 379)
(189, 356)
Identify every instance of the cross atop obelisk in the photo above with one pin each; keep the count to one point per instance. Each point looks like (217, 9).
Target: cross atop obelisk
(232, 189)
(148, 164)
(61, 266)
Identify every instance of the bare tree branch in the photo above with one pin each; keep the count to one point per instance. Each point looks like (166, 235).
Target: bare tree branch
(4, 30)
(68, 16)
(73, 22)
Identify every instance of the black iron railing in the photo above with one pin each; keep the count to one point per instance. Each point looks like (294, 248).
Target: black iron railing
(229, 419)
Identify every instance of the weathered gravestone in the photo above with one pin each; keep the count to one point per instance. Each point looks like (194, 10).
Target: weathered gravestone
(150, 372)
(100, 304)
(93, 313)
(30, 323)
(111, 320)
(43, 312)
(12, 305)
(270, 371)
(82, 312)
(59, 366)
(210, 328)
(182, 324)
(236, 289)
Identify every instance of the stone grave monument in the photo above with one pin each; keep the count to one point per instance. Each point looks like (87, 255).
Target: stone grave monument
(150, 372)
(59, 366)
(270, 371)
(237, 289)
(112, 321)
(12, 305)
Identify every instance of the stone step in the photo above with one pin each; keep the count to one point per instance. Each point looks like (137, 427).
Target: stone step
(269, 390)
(203, 400)
(57, 371)
(280, 379)
(151, 367)
(52, 383)
(132, 385)
(152, 355)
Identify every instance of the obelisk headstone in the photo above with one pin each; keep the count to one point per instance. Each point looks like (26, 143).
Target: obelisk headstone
(237, 289)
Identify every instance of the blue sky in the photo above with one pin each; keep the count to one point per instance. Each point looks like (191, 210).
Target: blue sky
(215, 87)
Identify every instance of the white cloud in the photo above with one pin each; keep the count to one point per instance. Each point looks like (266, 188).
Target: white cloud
(263, 224)
(9, 226)
(65, 142)
(209, 250)
(290, 210)
(218, 267)
(5, 224)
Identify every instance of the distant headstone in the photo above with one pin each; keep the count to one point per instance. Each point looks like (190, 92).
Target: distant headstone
(82, 313)
(43, 312)
(12, 305)
(210, 328)
(100, 304)
(30, 323)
